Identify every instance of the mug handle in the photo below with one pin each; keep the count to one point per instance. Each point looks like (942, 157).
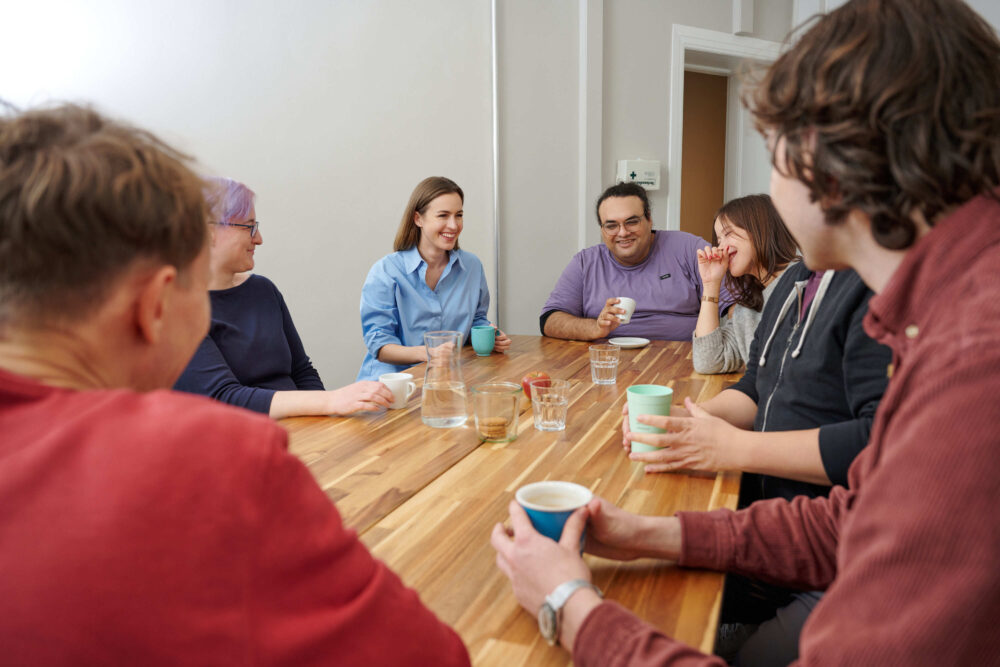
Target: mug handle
(410, 388)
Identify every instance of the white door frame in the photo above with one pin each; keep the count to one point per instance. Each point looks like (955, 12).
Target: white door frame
(686, 39)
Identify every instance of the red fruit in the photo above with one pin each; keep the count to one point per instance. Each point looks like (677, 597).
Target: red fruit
(533, 375)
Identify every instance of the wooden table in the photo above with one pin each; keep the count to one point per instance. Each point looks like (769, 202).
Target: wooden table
(424, 500)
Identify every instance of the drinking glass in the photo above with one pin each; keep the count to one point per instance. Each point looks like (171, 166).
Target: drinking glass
(604, 363)
(495, 406)
(550, 402)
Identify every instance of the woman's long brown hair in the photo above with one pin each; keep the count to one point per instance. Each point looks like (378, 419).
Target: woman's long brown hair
(773, 246)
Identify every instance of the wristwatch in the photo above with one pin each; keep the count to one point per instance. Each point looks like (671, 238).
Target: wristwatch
(550, 614)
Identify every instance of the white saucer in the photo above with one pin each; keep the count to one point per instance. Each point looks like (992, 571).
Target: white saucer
(629, 343)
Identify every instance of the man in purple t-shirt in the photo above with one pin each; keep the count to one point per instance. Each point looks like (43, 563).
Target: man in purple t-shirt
(659, 269)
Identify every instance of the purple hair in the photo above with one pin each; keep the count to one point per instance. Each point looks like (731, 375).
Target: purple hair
(228, 199)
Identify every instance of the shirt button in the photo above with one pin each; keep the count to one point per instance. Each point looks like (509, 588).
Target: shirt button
(911, 331)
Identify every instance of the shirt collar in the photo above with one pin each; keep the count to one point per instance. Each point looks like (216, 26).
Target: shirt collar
(930, 266)
(412, 259)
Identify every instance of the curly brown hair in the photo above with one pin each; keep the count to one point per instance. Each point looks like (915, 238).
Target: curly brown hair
(773, 246)
(890, 107)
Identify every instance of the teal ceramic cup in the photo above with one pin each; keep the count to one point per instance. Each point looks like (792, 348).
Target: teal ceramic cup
(647, 399)
(483, 339)
(549, 504)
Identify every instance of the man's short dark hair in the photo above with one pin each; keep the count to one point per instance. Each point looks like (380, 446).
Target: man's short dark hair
(624, 190)
(890, 107)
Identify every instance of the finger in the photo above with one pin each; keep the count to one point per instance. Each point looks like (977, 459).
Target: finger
(519, 521)
(500, 541)
(612, 301)
(504, 566)
(652, 468)
(694, 409)
(657, 421)
(662, 455)
(573, 529)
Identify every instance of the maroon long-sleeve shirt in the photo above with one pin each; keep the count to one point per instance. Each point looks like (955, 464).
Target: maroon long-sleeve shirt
(910, 555)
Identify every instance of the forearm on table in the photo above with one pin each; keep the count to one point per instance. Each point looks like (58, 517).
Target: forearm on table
(733, 406)
(391, 353)
(708, 316)
(788, 454)
(570, 327)
(652, 537)
(299, 404)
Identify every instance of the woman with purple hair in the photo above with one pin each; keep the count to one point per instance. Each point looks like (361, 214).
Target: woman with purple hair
(252, 356)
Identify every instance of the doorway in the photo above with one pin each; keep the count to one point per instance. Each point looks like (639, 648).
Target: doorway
(703, 155)
(712, 59)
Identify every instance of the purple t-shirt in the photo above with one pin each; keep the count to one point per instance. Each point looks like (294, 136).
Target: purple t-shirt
(666, 287)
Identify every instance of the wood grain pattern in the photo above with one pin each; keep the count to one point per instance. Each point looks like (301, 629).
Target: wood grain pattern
(424, 500)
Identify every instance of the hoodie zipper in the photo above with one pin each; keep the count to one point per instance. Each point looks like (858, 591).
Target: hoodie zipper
(784, 355)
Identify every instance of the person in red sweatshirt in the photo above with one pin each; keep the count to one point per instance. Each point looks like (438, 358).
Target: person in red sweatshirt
(884, 121)
(139, 526)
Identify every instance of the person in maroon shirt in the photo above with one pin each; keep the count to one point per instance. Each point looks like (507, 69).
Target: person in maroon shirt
(140, 526)
(884, 121)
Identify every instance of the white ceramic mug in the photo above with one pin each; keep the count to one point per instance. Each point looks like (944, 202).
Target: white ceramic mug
(401, 385)
(629, 306)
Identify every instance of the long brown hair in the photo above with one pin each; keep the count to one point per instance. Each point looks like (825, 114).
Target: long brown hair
(773, 246)
(427, 190)
(889, 107)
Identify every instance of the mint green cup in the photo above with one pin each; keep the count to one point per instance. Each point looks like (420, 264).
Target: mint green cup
(647, 399)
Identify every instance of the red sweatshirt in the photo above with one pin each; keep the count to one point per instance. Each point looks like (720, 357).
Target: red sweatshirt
(163, 528)
(910, 556)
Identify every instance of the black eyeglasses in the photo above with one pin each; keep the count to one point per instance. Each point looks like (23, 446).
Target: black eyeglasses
(252, 227)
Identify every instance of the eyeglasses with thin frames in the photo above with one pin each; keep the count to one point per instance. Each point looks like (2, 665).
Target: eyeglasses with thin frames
(611, 228)
(252, 227)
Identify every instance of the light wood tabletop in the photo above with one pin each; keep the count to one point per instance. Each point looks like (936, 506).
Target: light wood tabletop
(425, 500)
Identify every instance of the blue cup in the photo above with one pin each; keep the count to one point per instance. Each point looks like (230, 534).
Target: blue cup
(483, 340)
(549, 504)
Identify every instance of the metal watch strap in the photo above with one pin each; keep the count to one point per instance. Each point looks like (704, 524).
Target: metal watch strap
(713, 299)
(558, 598)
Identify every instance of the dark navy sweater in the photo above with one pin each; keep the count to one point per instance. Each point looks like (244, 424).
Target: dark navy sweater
(831, 376)
(251, 351)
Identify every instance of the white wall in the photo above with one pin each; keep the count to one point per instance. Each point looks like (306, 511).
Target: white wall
(331, 111)
(538, 76)
(637, 44)
(545, 210)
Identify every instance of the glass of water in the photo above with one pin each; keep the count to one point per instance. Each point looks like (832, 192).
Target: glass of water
(604, 363)
(550, 402)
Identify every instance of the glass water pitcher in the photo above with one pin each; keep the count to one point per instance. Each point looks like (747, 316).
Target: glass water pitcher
(443, 398)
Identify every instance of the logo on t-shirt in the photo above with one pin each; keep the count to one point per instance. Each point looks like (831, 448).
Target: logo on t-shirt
(664, 276)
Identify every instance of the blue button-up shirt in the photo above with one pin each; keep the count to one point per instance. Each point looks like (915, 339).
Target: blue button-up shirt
(398, 307)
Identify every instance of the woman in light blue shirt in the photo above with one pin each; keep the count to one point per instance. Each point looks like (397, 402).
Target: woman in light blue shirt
(428, 284)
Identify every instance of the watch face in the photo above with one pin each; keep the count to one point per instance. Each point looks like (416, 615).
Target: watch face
(547, 623)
